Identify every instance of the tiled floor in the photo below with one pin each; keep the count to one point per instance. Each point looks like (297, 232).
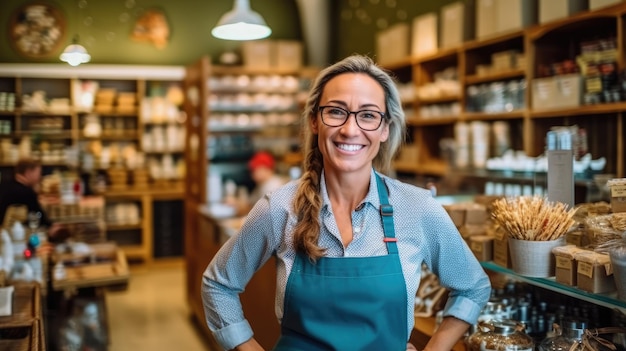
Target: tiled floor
(152, 314)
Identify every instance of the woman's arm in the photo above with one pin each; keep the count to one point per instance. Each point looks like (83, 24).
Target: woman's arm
(250, 345)
(449, 332)
(228, 274)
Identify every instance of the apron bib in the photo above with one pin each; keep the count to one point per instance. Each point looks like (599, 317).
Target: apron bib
(347, 303)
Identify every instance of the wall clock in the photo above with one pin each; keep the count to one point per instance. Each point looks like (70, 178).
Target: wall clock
(37, 30)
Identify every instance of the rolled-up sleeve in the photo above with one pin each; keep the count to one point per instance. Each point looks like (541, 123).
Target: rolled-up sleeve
(458, 270)
(230, 271)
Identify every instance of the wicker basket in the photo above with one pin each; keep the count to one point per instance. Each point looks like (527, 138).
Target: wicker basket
(22, 330)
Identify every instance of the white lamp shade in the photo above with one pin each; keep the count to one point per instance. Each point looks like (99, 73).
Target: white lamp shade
(241, 23)
(75, 54)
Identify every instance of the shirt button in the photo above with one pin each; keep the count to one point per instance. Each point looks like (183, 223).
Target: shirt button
(356, 229)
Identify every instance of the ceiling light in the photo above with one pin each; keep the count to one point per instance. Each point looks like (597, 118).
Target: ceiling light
(241, 23)
(75, 54)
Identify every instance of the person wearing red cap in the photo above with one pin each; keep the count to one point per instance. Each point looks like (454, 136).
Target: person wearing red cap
(262, 168)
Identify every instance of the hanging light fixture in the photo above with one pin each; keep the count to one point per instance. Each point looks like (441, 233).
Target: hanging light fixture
(241, 23)
(75, 54)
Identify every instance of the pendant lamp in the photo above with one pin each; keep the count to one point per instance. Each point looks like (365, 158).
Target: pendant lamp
(241, 23)
(75, 54)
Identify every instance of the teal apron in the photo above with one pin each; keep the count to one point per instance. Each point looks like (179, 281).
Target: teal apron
(347, 303)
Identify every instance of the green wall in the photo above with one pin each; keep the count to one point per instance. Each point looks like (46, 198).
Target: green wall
(353, 24)
(108, 38)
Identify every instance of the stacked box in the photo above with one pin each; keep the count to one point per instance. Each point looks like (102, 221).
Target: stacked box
(596, 4)
(566, 269)
(105, 99)
(550, 10)
(618, 194)
(424, 39)
(594, 272)
(457, 23)
(482, 247)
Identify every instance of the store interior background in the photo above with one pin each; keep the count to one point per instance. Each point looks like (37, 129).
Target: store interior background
(153, 312)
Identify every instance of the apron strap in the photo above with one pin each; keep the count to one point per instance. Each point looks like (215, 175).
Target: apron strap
(386, 215)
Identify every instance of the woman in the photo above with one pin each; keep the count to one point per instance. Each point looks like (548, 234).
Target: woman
(349, 241)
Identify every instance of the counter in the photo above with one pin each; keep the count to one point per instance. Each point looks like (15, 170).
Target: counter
(205, 236)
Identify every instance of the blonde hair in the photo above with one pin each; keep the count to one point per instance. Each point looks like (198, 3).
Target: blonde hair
(307, 202)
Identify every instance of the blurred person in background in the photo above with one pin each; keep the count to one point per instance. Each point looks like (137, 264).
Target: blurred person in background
(262, 168)
(23, 190)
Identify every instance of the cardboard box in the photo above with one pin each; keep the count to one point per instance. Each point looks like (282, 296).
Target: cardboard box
(550, 10)
(476, 214)
(485, 18)
(482, 247)
(501, 254)
(424, 40)
(504, 60)
(287, 55)
(457, 23)
(392, 44)
(595, 274)
(564, 91)
(515, 14)
(257, 54)
(596, 4)
(456, 213)
(469, 230)
(566, 269)
(618, 195)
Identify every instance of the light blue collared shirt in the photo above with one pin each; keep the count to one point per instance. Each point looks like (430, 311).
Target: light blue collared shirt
(425, 234)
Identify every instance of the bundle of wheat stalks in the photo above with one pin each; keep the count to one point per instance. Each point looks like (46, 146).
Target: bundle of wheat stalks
(533, 218)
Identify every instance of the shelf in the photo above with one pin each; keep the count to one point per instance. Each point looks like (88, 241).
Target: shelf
(432, 121)
(482, 43)
(505, 75)
(120, 136)
(532, 178)
(581, 110)
(134, 251)
(398, 65)
(433, 167)
(7, 112)
(440, 55)
(439, 100)
(120, 227)
(606, 300)
(46, 134)
(163, 152)
(490, 116)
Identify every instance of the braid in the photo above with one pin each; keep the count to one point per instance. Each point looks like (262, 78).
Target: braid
(308, 202)
(307, 206)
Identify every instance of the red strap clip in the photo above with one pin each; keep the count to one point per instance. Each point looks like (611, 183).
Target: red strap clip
(387, 240)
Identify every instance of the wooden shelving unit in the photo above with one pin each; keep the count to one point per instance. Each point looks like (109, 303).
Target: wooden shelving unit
(59, 81)
(541, 45)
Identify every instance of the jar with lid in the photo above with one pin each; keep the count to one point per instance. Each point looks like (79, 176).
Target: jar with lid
(500, 335)
(568, 337)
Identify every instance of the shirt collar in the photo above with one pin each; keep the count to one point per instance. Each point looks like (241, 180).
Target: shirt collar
(371, 197)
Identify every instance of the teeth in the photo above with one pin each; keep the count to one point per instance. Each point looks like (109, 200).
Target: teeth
(348, 147)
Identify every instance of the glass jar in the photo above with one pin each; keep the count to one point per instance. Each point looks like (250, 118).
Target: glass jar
(568, 337)
(500, 335)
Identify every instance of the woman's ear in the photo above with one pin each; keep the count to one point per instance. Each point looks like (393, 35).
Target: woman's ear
(314, 124)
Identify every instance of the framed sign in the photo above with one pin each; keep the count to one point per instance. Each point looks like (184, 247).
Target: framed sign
(37, 30)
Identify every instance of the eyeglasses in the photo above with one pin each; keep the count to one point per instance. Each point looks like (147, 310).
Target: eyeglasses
(367, 120)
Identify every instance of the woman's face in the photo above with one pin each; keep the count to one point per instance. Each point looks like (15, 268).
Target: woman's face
(348, 148)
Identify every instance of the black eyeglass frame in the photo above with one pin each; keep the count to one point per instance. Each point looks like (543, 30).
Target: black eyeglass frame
(383, 116)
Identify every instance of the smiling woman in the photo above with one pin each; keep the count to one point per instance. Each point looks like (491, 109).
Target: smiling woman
(37, 30)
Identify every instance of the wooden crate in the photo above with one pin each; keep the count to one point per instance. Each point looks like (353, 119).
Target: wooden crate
(22, 330)
(106, 267)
